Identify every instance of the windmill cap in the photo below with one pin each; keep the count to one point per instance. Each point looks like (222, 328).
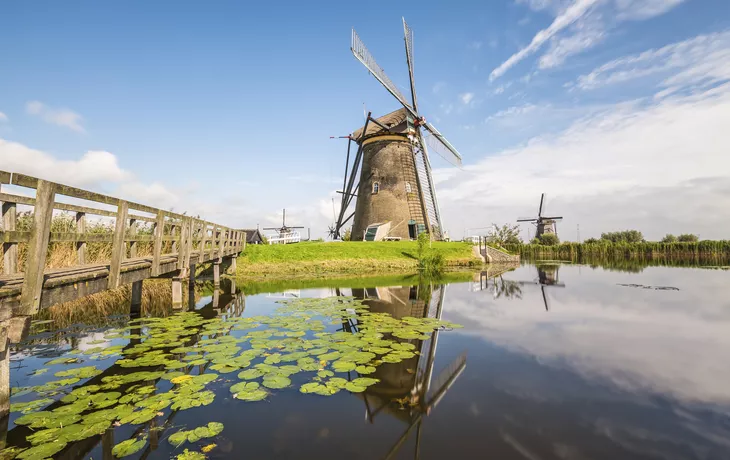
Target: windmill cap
(396, 120)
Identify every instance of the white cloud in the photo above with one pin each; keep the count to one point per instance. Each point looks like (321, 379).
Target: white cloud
(571, 14)
(3, 117)
(475, 45)
(512, 111)
(624, 166)
(466, 98)
(701, 60)
(580, 25)
(60, 117)
(93, 167)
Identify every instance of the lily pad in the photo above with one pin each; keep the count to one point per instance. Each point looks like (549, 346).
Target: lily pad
(129, 447)
(276, 381)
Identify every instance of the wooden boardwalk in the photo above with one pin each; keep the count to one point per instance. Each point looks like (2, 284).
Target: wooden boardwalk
(178, 242)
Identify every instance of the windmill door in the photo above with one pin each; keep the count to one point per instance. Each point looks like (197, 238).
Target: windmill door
(412, 231)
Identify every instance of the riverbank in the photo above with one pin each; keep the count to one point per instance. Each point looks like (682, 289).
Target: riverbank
(701, 251)
(311, 259)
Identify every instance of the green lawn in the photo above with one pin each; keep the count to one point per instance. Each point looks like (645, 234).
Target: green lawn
(344, 257)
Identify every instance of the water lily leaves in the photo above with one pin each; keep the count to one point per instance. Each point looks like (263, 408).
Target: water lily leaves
(365, 369)
(318, 351)
(189, 399)
(172, 374)
(350, 386)
(30, 406)
(336, 382)
(318, 388)
(181, 379)
(392, 358)
(402, 346)
(248, 391)
(325, 373)
(190, 455)
(273, 359)
(129, 447)
(61, 360)
(196, 434)
(276, 381)
(208, 448)
(308, 364)
(40, 371)
(330, 356)
(250, 374)
(46, 419)
(42, 451)
(343, 366)
(138, 417)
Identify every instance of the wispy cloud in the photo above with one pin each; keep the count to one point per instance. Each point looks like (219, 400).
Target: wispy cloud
(580, 25)
(571, 14)
(475, 45)
(60, 117)
(466, 98)
(699, 61)
(3, 117)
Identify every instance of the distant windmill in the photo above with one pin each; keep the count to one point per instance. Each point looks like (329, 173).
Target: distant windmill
(544, 224)
(284, 229)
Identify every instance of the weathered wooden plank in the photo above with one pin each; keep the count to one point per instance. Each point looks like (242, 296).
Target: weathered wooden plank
(157, 249)
(80, 245)
(4, 177)
(131, 238)
(174, 237)
(203, 239)
(10, 249)
(182, 259)
(118, 246)
(35, 263)
(26, 200)
(221, 244)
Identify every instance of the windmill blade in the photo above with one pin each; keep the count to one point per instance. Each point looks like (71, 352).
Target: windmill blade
(408, 33)
(553, 218)
(360, 51)
(425, 184)
(526, 219)
(545, 299)
(442, 146)
(539, 212)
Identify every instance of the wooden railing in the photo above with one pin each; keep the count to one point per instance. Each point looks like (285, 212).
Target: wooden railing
(186, 239)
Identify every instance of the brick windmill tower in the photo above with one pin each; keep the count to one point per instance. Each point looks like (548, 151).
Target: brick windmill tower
(391, 172)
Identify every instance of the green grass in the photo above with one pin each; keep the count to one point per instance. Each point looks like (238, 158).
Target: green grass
(355, 257)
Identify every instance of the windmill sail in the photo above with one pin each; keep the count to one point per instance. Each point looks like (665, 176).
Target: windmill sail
(425, 181)
(363, 55)
(408, 32)
(442, 146)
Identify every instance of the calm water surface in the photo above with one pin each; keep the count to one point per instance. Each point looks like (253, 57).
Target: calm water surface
(554, 362)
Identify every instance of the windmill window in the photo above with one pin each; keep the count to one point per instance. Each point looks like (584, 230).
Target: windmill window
(408, 187)
(376, 187)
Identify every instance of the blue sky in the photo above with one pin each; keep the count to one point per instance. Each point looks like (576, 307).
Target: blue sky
(225, 109)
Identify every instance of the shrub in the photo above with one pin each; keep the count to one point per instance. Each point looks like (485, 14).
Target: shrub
(669, 238)
(625, 236)
(549, 239)
(687, 238)
(590, 241)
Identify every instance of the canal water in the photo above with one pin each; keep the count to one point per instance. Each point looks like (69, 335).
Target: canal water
(552, 362)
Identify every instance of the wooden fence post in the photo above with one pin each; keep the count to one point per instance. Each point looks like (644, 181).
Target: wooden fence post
(173, 231)
(203, 241)
(133, 241)
(81, 245)
(157, 248)
(10, 250)
(35, 264)
(118, 245)
(221, 243)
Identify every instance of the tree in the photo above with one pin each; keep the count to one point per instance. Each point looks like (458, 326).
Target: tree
(549, 239)
(506, 234)
(590, 241)
(625, 236)
(669, 238)
(688, 238)
(348, 235)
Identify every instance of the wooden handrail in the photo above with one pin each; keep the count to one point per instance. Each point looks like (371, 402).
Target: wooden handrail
(188, 236)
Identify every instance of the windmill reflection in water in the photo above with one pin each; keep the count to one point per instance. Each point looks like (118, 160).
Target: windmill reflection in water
(547, 276)
(407, 390)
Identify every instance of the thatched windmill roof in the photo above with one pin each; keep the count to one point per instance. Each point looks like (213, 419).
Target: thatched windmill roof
(396, 120)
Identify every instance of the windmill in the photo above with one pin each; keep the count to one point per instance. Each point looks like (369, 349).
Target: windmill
(544, 224)
(285, 232)
(394, 186)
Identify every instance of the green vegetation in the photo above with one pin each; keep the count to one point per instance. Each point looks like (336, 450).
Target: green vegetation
(353, 257)
(710, 252)
(430, 261)
(546, 239)
(506, 234)
(624, 236)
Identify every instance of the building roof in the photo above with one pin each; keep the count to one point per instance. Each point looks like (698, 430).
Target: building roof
(396, 120)
(253, 235)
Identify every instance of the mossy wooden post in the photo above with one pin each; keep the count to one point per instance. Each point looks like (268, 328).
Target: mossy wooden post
(81, 245)
(216, 274)
(132, 240)
(107, 444)
(157, 247)
(221, 243)
(10, 250)
(40, 233)
(135, 306)
(173, 234)
(118, 245)
(216, 295)
(182, 259)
